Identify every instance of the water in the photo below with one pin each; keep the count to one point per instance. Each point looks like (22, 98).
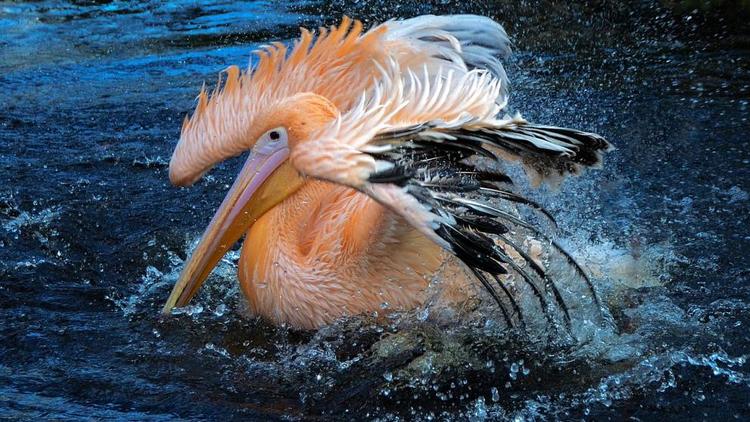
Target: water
(92, 236)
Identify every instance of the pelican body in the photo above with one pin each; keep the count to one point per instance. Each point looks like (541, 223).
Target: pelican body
(361, 177)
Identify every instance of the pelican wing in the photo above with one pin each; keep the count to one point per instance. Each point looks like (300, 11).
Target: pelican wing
(439, 179)
(419, 143)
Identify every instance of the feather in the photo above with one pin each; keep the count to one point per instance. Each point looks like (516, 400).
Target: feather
(464, 41)
(434, 163)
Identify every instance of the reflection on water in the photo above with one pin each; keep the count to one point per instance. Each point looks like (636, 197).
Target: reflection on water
(92, 236)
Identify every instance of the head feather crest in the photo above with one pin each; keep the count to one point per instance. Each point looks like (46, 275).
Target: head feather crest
(335, 64)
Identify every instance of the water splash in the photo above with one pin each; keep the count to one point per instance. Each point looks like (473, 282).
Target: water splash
(218, 294)
(26, 219)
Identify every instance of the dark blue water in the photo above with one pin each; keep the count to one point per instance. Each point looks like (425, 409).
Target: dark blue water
(92, 235)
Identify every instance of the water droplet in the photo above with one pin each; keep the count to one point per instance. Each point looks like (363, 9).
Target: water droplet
(479, 413)
(514, 371)
(495, 394)
(220, 310)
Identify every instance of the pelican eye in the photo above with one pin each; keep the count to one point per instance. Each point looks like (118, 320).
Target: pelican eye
(271, 140)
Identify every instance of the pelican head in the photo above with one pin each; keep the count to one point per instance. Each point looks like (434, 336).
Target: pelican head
(266, 178)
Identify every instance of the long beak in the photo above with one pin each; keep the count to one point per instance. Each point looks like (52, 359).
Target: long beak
(265, 180)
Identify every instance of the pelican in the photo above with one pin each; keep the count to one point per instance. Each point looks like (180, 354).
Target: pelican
(368, 165)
